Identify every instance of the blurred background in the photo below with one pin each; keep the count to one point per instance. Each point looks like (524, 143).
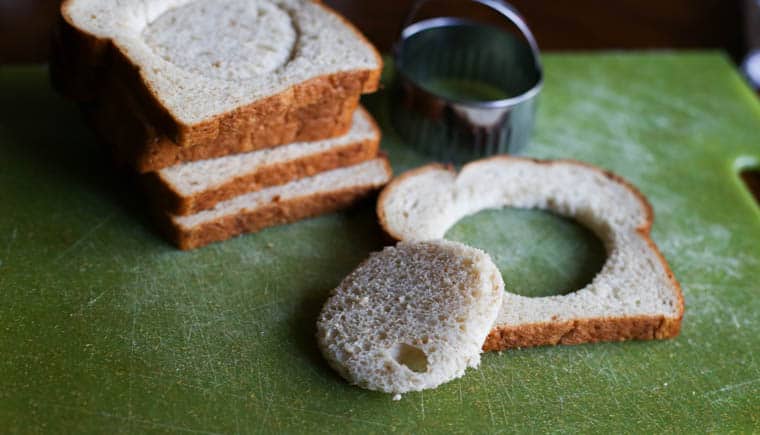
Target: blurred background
(732, 26)
(729, 25)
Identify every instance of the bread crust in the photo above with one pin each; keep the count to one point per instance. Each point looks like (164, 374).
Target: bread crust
(82, 60)
(135, 142)
(166, 197)
(274, 213)
(76, 73)
(580, 330)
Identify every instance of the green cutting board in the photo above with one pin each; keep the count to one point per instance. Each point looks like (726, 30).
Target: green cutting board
(104, 327)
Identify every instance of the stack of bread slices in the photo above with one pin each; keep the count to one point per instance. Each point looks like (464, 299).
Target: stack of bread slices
(239, 114)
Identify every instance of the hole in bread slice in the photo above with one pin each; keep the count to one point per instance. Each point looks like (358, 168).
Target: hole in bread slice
(410, 356)
(538, 252)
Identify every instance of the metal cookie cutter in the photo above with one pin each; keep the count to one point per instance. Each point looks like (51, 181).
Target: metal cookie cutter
(465, 89)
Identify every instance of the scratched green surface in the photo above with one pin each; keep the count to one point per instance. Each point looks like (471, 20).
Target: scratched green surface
(105, 328)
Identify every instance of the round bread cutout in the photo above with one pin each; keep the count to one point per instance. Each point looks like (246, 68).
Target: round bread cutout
(634, 296)
(411, 317)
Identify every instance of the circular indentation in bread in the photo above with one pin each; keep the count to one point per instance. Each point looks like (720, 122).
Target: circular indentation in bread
(256, 38)
(412, 316)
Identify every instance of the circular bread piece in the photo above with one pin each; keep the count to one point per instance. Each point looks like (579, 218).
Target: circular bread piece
(411, 317)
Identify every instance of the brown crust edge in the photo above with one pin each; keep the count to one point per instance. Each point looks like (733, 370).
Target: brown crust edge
(166, 197)
(582, 331)
(577, 331)
(92, 50)
(134, 141)
(373, 81)
(274, 213)
(77, 59)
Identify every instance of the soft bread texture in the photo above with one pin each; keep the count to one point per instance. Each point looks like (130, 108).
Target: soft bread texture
(411, 317)
(119, 121)
(194, 87)
(322, 193)
(634, 296)
(192, 187)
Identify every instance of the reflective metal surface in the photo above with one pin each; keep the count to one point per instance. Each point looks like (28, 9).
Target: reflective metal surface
(465, 89)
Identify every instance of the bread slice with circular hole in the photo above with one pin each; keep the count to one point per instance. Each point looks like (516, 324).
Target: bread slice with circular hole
(411, 317)
(634, 296)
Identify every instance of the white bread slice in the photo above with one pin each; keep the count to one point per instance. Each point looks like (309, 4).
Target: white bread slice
(411, 317)
(322, 193)
(188, 188)
(204, 66)
(119, 122)
(634, 296)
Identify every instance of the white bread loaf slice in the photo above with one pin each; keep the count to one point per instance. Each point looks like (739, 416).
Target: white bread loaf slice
(201, 67)
(411, 317)
(634, 296)
(322, 193)
(189, 188)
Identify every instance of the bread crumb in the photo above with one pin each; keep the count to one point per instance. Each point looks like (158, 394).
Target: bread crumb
(397, 397)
